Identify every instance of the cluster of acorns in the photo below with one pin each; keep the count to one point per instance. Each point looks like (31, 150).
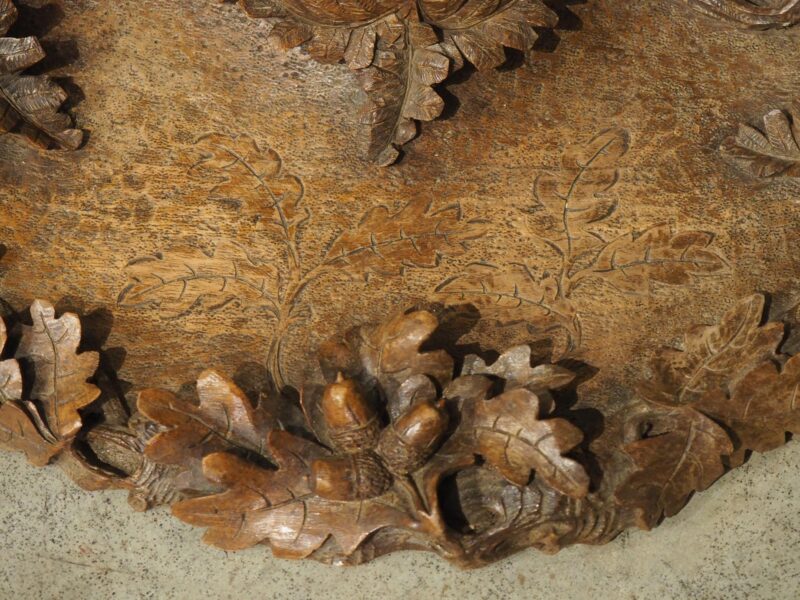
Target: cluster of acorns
(369, 456)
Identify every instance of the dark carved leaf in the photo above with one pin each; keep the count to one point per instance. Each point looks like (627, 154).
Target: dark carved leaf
(681, 454)
(398, 85)
(774, 152)
(60, 386)
(224, 419)
(35, 101)
(514, 439)
(181, 279)
(630, 263)
(278, 507)
(482, 28)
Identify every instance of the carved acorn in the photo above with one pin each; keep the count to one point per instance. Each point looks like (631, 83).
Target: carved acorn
(349, 477)
(353, 425)
(408, 442)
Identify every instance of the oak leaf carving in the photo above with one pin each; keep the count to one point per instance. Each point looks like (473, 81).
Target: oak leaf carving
(183, 278)
(776, 151)
(21, 426)
(30, 103)
(244, 170)
(60, 385)
(631, 262)
(682, 453)
(407, 60)
(402, 49)
(514, 367)
(481, 29)
(515, 439)
(733, 373)
(224, 419)
(278, 507)
(575, 197)
(714, 357)
(417, 235)
(751, 14)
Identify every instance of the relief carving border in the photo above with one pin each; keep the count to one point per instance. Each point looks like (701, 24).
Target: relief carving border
(390, 446)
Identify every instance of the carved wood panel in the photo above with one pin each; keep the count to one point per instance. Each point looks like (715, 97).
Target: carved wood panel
(253, 321)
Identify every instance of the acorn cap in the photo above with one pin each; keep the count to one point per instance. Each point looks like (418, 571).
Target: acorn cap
(408, 442)
(351, 477)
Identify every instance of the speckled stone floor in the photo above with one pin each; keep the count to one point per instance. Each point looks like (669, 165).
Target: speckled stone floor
(739, 539)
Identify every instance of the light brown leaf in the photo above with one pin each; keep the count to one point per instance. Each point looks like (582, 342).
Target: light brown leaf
(418, 235)
(577, 196)
(224, 419)
(60, 386)
(632, 262)
(183, 278)
(515, 440)
(360, 51)
(278, 507)
(10, 375)
(681, 454)
(18, 432)
(762, 407)
(514, 366)
(715, 357)
(774, 152)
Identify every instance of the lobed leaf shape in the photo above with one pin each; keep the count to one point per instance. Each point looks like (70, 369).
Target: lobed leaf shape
(30, 104)
(60, 385)
(514, 367)
(762, 407)
(417, 235)
(714, 357)
(514, 438)
(776, 151)
(407, 62)
(10, 374)
(21, 426)
(576, 196)
(278, 507)
(751, 14)
(632, 262)
(480, 29)
(184, 278)
(19, 432)
(245, 171)
(513, 293)
(224, 419)
(682, 454)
